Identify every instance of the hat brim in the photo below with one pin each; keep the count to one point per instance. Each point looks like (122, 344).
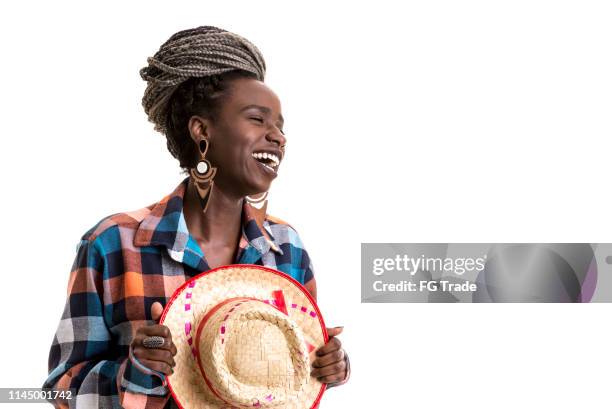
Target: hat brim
(201, 293)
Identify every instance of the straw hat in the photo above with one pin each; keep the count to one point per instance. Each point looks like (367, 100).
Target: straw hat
(246, 337)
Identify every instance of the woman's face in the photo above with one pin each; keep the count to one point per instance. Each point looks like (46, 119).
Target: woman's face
(246, 140)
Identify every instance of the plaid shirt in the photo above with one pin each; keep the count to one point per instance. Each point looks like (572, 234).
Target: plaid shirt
(124, 264)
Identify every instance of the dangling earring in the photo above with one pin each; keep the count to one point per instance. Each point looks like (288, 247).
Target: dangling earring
(203, 175)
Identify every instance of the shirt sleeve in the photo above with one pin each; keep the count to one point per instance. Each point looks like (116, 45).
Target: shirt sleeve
(307, 265)
(84, 356)
(303, 263)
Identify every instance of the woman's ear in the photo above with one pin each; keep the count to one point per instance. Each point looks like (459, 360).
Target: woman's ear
(199, 128)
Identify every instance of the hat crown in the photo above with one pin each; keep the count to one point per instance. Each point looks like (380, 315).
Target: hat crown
(250, 353)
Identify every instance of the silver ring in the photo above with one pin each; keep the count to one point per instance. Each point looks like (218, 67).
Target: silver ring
(153, 342)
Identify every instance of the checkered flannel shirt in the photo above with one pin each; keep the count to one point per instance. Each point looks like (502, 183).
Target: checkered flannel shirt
(124, 264)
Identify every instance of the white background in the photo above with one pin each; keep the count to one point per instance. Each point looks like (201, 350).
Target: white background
(436, 121)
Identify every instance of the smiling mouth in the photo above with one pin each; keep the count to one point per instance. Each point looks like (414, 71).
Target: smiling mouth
(268, 160)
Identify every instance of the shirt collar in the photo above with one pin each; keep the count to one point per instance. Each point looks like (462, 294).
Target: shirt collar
(165, 226)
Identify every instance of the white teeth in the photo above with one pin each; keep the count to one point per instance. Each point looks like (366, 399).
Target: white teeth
(265, 155)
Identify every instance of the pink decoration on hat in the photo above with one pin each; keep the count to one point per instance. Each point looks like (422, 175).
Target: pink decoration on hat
(279, 301)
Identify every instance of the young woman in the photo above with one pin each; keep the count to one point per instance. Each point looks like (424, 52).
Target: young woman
(224, 125)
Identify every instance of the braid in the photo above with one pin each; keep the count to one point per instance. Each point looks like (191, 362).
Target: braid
(187, 76)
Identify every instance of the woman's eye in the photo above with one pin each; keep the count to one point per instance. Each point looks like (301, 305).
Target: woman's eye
(258, 119)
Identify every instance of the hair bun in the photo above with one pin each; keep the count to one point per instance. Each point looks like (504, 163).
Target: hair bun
(197, 52)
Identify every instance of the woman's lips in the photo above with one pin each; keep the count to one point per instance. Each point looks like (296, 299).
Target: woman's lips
(267, 169)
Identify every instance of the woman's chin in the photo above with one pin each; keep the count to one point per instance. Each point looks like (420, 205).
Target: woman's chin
(260, 190)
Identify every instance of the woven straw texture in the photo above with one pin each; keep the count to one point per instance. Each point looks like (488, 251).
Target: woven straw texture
(237, 347)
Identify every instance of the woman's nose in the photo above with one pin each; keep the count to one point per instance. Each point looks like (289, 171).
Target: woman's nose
(275, 135)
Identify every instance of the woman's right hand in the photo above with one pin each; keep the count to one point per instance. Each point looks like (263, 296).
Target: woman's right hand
(158, 359)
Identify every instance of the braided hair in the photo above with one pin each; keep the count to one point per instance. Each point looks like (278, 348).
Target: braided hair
(188, 76)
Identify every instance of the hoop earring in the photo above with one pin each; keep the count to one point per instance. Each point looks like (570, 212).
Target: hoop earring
(259, 207)
(203, 175)
(258, 202)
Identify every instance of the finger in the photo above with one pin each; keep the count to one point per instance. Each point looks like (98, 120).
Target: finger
(156, 311)
(157, 366)
(332, 345)
(156, 329)
(168, 343)
(332, 332)
(329, 359)
(337, 368)
(331, 378)
(169, 346)
(161, 355)
(173, 349)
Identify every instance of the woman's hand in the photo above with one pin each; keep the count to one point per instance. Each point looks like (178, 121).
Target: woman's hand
(330, 366)
(158, 359)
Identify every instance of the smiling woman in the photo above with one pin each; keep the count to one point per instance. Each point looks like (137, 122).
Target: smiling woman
(205, 93)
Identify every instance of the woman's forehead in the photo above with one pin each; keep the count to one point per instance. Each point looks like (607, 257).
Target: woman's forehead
(247, 92)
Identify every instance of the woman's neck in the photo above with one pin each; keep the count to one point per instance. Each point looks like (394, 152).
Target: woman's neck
(220, 223)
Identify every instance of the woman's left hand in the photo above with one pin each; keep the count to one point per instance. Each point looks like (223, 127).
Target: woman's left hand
(330, 366)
